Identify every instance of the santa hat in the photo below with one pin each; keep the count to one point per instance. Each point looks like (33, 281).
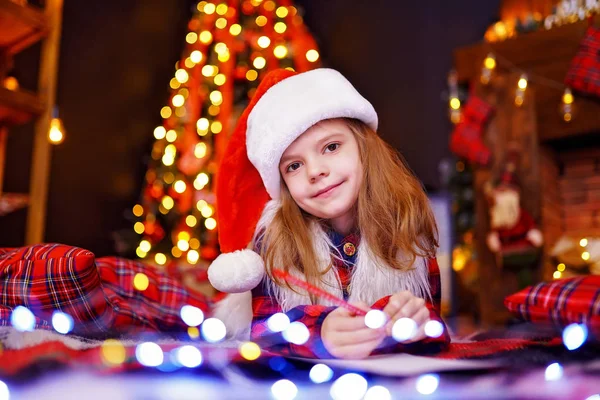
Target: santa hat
(284, 106)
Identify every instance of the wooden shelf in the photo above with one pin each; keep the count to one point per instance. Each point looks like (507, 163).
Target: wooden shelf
(18, 107)
(20, 26)
(10, 202)
(546, 54)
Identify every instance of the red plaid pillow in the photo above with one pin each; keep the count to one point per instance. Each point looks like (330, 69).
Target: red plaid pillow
(560, 302)
(100, 295)
(584, 73)
(157, 307)
(73, 286)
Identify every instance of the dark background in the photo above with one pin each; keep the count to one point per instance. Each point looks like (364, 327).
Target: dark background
(117, 57)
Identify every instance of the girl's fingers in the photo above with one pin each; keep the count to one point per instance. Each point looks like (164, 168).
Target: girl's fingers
(422, 316)
(414, 310)
(411, 307)
(396, 303)
(348, 323)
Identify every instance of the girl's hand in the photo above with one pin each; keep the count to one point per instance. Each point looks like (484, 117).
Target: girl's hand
(406, 305)
(345, 334)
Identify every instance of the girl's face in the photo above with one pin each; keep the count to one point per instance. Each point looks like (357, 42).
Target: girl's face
(323, 172)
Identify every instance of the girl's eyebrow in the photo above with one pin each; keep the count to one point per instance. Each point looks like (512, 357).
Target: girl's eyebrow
(286, 158)
(319, 143)
(327, 138)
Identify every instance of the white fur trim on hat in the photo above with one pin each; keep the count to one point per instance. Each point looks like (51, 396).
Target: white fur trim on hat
(236, 272)
(292, 106)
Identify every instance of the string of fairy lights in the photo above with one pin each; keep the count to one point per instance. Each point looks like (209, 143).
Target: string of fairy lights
(489, 66)
(202, 350)
(228, 48)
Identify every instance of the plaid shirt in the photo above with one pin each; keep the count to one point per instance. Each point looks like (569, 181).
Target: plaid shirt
(264, 306)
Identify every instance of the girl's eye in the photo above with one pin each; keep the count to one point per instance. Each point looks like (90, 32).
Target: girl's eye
(332, 147)
(293, 166)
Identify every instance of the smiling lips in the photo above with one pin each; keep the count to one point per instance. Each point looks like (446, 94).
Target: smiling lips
(325, 192)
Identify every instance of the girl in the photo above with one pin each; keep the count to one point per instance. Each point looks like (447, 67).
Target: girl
(313, 190)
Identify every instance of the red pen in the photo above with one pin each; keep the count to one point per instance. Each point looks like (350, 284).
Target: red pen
(292, 280)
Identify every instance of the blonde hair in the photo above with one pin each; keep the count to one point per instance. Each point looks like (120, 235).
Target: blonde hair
(393, 215)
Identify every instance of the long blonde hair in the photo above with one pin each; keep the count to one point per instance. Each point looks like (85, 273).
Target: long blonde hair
(393, 215)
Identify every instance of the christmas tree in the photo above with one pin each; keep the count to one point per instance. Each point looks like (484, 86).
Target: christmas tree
(229, 47)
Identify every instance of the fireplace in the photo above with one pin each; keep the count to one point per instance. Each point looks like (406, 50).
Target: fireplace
(570, 186)
(560, 167)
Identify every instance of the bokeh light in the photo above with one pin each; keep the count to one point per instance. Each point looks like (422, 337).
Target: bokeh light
(349, 387)
(320, 373)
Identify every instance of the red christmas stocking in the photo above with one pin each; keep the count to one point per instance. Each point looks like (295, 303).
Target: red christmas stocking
(466, 139)
(584, 73)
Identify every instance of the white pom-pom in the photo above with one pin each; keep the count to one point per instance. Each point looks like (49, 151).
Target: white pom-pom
(236, 272)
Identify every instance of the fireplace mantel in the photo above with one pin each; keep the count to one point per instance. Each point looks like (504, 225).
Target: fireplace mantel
(547, 54)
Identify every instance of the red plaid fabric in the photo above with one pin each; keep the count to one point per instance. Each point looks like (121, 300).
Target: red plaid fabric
(560, 302)
(49, 277)
(466, 139)
(156, 308)
(99, 296)
(264, 306)
(584, 72)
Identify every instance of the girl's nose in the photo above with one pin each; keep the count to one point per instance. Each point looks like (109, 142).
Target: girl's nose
(317, 170)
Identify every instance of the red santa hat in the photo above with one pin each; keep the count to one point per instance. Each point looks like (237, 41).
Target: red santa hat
(284, 106)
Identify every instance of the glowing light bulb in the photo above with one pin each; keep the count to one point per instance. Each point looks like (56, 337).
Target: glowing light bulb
(56, 133)
(22, 319)
(213, 330)
(574, 336)
(160, 132)
(434, 328)
(193, 256)
(349, 387)
(280, 51)
(113, 352)
(553, 372)
(428, 383)
(522, 84)
(235, 29)
(404, 329)
(250, 351)
(320, 373)
(145, 246)
(278, 322)
(264, 41)
(189, 356)
(284, 389)
(61, 322)
(375, 319)
(312, 55)
(378, 393)
(296, 333)
(259, 62)
(192, 316)
(149, 354)
(181, 75)
(191, 37)
(141, 281)
(196, 56)
(490, 62)
(454, 103)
